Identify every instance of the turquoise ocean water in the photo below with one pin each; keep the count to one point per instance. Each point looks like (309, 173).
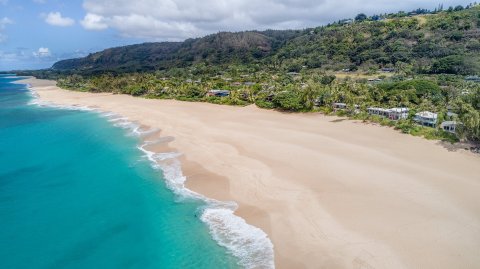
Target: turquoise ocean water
(75, 192)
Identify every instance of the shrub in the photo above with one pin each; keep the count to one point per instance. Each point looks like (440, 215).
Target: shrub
(137, 91)
(288, 100)
(264, 104)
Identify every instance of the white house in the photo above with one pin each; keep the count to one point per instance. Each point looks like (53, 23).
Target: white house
(339, 106)
(398, 113)
(382, 112)
(426, 118)
(449, 126)
(218, 93)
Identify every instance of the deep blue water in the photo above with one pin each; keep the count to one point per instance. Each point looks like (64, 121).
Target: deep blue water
(75, 192)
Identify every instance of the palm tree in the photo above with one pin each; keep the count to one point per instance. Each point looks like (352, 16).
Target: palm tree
(309, 93)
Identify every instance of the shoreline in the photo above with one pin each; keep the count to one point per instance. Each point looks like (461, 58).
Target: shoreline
(328, 194)
(220, 211)
(255, 249)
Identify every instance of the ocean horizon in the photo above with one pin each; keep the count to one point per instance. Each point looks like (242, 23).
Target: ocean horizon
(76, 192)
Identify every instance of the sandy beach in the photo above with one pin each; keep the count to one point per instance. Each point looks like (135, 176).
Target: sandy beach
(330, 193)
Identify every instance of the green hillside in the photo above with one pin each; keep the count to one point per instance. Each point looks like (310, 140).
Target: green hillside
(217, 49)
(445, 42)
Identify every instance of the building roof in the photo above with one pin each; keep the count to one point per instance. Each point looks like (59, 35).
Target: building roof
(448, 122)
(427, 114)
(378, 109)
(218, 91)
(399, 109)
(473, 78)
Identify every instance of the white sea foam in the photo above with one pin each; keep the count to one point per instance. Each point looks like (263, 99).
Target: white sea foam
(249, 244)
(41, 103)
(109, 114)
(118, 119)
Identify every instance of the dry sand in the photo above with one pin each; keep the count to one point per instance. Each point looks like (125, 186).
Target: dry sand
(329, 193)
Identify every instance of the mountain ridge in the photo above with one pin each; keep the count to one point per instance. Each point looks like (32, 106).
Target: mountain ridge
(440, 42)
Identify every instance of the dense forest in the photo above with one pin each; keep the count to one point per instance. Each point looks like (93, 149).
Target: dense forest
(447, 42)
(217, 49)
(422, 60)
(444, 42)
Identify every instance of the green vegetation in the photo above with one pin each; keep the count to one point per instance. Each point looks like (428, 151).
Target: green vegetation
(446, 42)
(308, 92)
(390, 60)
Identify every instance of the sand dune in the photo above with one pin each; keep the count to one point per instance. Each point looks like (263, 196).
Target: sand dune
(329, 193)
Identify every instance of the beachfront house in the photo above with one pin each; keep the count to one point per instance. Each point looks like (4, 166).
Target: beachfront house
(218, 93)
(388, 70)
(398, 113)
(449, 126)
(339, 106)
(426, 118)
(293, 73)
(473, 78)
(382, 112)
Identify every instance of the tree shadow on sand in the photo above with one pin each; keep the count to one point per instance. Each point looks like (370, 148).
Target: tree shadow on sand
(474, 148)
(339, 120)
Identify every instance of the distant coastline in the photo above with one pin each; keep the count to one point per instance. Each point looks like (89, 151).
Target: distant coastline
(315, 185)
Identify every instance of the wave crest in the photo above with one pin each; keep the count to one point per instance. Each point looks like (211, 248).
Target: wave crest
(249, 244)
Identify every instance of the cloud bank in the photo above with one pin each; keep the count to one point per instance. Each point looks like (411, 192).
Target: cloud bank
(180, 19)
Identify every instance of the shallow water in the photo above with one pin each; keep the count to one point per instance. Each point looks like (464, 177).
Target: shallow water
(75, 192)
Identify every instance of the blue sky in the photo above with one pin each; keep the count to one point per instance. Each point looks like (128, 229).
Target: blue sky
(27, 31)
(36, 33)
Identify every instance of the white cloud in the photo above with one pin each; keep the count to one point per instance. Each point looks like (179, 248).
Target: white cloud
(42, 53)
(180, 19)
(94, 22)
(56, 19)
(3, 24)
